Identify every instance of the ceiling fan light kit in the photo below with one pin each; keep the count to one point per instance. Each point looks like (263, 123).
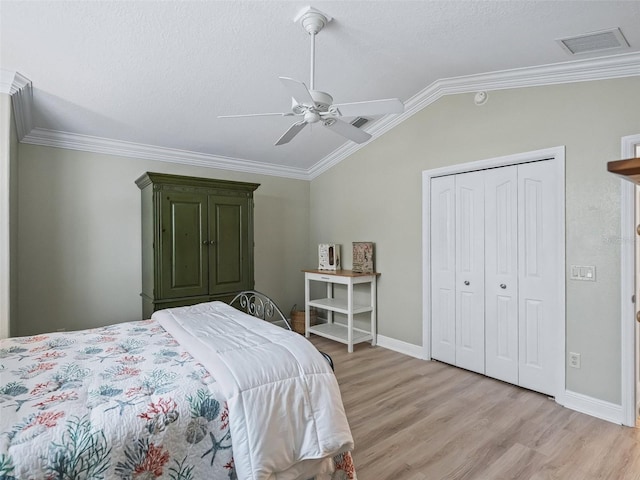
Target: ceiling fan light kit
(315, 106)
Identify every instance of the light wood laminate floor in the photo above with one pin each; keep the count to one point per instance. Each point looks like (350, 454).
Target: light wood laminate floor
(418, 420)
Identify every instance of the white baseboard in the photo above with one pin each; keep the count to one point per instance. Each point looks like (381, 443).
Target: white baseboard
(399, 346)
(575, 401)
(594, 407)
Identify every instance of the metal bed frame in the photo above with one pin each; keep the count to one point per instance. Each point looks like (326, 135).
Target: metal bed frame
(261, 306)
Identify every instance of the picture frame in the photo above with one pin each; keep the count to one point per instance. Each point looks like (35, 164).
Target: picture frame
(363, 253)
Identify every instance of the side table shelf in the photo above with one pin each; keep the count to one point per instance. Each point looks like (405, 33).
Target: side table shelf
(347, 334)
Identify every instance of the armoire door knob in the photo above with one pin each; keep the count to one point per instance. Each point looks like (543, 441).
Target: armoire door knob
(503, 286)
(466, 282)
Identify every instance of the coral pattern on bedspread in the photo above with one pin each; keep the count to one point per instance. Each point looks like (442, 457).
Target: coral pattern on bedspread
(124, 401)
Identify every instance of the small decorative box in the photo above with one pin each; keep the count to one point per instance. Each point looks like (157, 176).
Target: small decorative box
(363, 257)
(328, 256)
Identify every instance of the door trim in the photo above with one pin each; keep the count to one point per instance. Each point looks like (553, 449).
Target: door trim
(627, 281)
(554, 154)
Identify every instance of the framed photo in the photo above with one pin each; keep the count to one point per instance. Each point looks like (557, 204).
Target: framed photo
(363, 257)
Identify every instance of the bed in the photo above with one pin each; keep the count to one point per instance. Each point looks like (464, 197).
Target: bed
(163, 398)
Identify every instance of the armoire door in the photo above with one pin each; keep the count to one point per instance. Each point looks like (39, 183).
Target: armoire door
(501, 273)
(229, 265)
(183, 253)
(469, 279)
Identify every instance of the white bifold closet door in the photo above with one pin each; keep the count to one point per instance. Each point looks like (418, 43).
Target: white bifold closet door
(469, 279)
(538, 288)
(443, 269)
(494, 262)
(457, 270)
(501, 274)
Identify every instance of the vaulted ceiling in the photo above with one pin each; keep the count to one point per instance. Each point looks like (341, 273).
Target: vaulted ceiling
(149, 79)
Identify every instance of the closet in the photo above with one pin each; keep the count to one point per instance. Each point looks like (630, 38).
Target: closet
(197, 240)
(494, 273)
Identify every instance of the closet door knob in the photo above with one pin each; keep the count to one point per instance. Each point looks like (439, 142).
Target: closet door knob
(503, 286)
(466, 282)
(205, 242)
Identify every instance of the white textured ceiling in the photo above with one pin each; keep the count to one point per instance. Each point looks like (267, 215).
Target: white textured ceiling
(159, 73)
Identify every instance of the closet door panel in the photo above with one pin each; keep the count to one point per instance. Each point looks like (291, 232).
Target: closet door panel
(469, 281)
(443, 298)
(538, 283)
(501, 273)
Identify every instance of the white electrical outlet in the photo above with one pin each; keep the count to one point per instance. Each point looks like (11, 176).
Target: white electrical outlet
(574, 360)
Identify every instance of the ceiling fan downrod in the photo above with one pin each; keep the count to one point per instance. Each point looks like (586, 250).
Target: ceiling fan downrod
(312, 76)
(313, 21)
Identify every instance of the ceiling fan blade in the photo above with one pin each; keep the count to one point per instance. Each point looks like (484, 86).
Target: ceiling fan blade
(373, 107)
(292, 132)
(347, 130)
(298, 91)
(288, 114)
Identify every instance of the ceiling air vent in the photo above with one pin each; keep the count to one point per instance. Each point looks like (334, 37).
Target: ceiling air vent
(359, 122)
(594, 42)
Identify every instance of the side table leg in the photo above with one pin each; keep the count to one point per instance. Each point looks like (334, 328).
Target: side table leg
(307, 316)
(374, 311)
(350, 318)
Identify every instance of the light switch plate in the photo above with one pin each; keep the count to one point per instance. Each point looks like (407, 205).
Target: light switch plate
(583, 272)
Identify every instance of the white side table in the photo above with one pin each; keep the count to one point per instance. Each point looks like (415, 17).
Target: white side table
(347, 334)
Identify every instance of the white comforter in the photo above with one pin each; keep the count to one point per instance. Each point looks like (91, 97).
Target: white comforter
(285, 410)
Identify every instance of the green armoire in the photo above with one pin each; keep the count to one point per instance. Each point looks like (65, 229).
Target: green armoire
(197, 240)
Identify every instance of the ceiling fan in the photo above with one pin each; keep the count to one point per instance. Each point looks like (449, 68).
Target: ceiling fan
(313, 106)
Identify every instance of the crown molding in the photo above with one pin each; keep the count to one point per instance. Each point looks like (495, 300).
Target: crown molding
(606, 68)
(88, 143)
(20, 89)
(11, 82)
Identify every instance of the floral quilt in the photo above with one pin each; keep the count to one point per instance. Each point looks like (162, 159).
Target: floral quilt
(124, 401)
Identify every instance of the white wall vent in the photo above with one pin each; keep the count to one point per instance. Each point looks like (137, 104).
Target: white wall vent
(594, 42)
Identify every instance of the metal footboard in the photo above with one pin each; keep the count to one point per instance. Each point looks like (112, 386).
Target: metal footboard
(259, 305)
